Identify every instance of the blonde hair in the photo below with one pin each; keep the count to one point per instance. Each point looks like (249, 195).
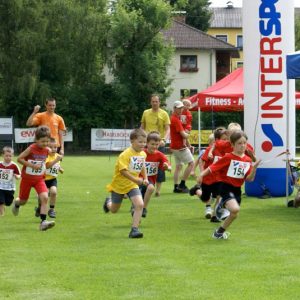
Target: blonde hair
(234, 126)
(211, 138)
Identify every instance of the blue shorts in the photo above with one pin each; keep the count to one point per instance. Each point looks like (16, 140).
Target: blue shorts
(118, 198)
(161, 174)
(228, 192)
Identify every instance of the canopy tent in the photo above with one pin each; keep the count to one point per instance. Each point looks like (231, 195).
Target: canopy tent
(225, 95)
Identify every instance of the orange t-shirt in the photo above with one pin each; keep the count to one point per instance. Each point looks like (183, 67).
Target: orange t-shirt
(53, 121)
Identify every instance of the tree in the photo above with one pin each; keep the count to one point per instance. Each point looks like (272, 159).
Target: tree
(197, 12)
(139, 55)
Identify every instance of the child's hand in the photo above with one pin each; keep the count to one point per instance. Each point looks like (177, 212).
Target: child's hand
(257, 163)
(167, 167)
(145, 182)
(17, 176)
(61, 170)
(37, 166)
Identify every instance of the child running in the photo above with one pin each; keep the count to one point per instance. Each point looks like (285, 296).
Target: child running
(9, 171)
(33, 174)
(155, 160)
(53, 168)
(234, 168)
(129, 165)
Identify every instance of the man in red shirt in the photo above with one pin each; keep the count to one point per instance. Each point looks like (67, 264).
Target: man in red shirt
(181, 152)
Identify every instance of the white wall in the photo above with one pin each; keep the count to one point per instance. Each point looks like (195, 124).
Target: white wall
(200, 80)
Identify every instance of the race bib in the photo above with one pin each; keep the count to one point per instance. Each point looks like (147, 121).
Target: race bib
(40, 171)
(238, 169)
(6, 175)
(152, 168)
(53, 171)
(136, 164)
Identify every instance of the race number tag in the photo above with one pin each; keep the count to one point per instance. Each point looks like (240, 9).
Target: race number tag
(53, 171)
(40, 171)
(152, 168)
(6, 175)
(238, 169)
(136, 164)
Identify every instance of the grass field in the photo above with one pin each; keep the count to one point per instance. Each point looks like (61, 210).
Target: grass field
(88, 254)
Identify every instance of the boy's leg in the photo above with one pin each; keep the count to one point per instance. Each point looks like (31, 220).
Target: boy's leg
(112, 204)
(148, 194)
(53, 194)
(138, 203)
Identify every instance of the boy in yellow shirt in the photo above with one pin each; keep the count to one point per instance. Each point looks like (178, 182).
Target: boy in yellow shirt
(126, 180)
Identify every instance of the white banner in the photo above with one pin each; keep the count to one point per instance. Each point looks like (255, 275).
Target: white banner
(110, 139)
(26, 135)
(6, 126)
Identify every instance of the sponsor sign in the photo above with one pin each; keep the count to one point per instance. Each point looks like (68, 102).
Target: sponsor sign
(6, 126)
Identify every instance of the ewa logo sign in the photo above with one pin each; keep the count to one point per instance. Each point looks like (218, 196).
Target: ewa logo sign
(270, 80)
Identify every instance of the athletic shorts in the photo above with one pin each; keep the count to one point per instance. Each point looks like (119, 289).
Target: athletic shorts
(228, 192)
(118, 198)
(6, 197)
(161, 174)
(210, 190)
(27, 184)
(51, 182)
(183, 156)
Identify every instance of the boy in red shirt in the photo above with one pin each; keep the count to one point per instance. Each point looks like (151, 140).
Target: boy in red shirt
(234, 168)
(155, 160)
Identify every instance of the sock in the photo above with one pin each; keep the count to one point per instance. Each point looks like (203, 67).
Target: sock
(52, 206)
(43, 217)
(221, 229)
(207, 205)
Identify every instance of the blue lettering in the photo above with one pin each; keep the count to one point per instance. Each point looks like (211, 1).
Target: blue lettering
(267, 11)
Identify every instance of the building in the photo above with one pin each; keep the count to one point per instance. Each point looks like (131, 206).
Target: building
(197, 60)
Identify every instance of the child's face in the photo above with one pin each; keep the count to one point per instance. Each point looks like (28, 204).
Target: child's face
(152, 146)
(240, 145)
(53, 147)
(186, 106)
(7, 157)
(139, 143)
(43, 142)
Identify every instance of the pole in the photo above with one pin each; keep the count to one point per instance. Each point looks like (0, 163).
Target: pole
(199, 129)
(287, 141)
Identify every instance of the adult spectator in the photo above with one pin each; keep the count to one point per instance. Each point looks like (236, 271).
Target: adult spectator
(157, 119)
(179, 149)
(52, 120)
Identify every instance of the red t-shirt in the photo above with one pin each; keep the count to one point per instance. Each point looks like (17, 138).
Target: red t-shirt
(36, 155)
(212, 177)
(154, 161)
(233, 169)
(186, 120)
(175, 129)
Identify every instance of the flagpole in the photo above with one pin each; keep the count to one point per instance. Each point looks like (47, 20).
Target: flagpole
(287, 141)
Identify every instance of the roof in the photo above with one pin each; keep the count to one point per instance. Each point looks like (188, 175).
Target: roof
(224, 17)
(188, 37)
(231, 17)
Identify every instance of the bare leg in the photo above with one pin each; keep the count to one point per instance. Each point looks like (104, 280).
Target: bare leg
(234, 209)
(148, 194)
(138, 209)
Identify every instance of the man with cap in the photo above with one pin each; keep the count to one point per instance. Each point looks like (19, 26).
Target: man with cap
(179, 149)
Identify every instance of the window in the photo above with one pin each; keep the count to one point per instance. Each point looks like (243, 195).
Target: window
(188, 63)
(239, 41)
(187, 93)
(222, 37)
(239, 64)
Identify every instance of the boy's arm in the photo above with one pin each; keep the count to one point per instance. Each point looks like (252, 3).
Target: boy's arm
(136, 180)
(22, 161)
(50, 164)
(252, 174)
(30, 122)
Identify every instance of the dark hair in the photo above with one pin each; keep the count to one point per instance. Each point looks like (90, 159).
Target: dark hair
(52, 140)
(236, 135)
(41, 132)
(8, 149)
(218, 132)
(136, 133)
(49, 100)
(153, 136)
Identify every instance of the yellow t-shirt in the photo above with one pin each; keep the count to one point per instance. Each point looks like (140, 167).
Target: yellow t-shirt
(133, 162)
(155, 121)
(52, 172)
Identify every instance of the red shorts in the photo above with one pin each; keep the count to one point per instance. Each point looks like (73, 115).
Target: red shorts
(26, 185)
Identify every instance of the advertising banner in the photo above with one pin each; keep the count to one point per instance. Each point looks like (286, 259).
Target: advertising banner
(269, 103)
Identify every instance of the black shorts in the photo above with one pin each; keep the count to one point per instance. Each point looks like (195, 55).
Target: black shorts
(210, 190)
(228, 192)
(161, 175)
(6, 197)
(51, 182)
(143, 188)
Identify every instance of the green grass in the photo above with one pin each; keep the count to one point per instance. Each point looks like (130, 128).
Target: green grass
(88, 255)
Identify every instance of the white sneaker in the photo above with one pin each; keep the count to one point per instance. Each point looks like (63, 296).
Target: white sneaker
(208, 212)
(225, 214)
(45, 225)
(14, 209)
